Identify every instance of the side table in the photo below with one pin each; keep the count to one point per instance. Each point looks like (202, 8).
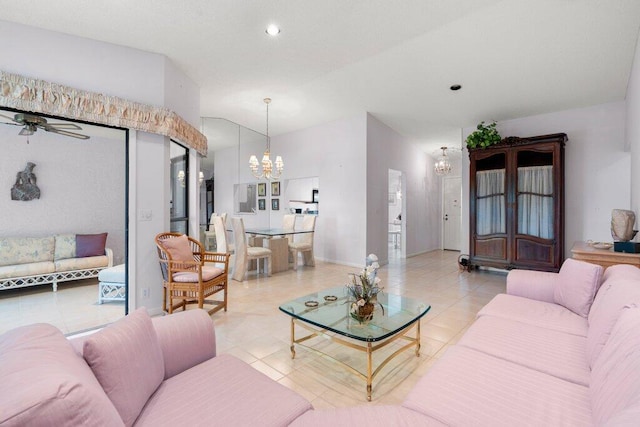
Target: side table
(605, 257)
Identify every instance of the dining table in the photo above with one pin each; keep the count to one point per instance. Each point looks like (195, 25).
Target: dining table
(276, 240)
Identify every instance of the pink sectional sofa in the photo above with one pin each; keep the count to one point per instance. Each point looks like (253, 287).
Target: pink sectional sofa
(137, 371)
(558, 349)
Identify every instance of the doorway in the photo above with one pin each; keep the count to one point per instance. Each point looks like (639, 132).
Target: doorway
(396, 219)
(451, 215)
(83, 191)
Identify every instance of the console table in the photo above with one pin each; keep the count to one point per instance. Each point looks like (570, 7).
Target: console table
(604, 257)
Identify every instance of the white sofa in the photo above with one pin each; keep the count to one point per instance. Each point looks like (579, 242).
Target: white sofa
(31, 261)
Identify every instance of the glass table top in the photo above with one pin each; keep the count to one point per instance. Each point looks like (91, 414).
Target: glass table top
(399, 312)
(274, 231)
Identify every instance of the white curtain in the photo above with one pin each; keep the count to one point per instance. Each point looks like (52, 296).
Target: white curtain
(535, 206)
(490, 202)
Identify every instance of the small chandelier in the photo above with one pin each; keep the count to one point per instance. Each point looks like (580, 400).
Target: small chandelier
(442, 166)
(267, 165)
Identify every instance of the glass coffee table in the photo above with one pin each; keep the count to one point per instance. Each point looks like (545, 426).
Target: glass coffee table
(326, 313)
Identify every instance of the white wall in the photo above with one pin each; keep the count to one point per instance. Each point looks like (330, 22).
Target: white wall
(632, 133)
(386, 149)
(80, 194)
(333, 152)
(131, 74)
(597, 167)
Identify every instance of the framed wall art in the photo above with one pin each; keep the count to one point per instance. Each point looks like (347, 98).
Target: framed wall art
(262, 204)
(275, 188)
(275, 204)
(262, 189)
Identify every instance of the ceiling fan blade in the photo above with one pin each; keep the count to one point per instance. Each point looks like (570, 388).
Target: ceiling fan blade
(67, 133)
(10, 118)
(63, 126)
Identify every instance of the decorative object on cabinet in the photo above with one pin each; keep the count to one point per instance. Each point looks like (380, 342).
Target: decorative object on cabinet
(622, 222)
(275, 188)
(484, 136)
(314, 195)
(517, 203)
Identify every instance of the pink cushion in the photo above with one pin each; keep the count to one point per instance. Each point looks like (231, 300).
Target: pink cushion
(542, 314)
(222, 391)
(613, 296)
(615, 378)
(577, 284)
(45, 382)
(90, 244)
(179, 248)
(208, 273)
(127, 360)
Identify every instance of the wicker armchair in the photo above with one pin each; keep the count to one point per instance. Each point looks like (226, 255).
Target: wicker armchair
(186, 278)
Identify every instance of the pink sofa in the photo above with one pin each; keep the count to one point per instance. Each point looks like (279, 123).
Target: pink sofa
(559, 349)
(544, 354)
(142, 371)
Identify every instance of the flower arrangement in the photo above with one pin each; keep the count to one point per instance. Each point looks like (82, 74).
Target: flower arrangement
(363, 290)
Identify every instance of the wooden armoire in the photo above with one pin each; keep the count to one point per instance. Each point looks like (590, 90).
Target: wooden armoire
(516, 203)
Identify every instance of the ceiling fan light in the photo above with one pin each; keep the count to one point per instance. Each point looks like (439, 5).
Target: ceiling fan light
(27, 131)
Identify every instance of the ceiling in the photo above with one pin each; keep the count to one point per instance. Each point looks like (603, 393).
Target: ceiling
(395, 59)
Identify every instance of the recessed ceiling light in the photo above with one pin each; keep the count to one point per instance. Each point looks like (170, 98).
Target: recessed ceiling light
(455, 87)
(273, 30)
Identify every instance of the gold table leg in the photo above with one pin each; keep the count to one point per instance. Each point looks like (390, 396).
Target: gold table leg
(293, 339)
(418, 339)
(369, 376)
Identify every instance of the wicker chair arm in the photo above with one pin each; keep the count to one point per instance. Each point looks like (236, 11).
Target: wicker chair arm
(216, 257)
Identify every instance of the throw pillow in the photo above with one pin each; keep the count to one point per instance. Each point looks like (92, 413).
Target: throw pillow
(127, 360)
(90, 244)
(179, 248)
(45, 382)
(576, 286)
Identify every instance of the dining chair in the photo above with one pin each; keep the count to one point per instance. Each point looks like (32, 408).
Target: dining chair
(245, 253)
(210, 233)
(231, 247)
(186, 278)
(289, 223)
(220, 233)
(304, 243)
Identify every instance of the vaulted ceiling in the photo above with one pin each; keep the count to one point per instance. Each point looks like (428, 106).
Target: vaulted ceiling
(393, 58)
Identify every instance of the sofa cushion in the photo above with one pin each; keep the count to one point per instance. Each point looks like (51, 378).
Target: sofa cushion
(208, 273)
(82, 263)
(44, 382)
(127, 360)
(179, 248)
(470, 388)
(65, 246)
(613, 296)
(25, 250)
(90, 244)
(552, 352)
(224, 391)
(615, 384)
(366, 416)
(576, 286)
(543, 314)
(24, 270)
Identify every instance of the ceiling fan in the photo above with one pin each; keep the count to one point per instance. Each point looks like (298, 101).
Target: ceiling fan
(32, 123)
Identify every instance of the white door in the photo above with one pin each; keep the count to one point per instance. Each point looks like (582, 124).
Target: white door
(451, 195)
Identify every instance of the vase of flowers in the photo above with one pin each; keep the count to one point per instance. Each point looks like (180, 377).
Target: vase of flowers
(363, 292)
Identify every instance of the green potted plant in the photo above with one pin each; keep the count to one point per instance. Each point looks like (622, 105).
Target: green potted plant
(484, 136)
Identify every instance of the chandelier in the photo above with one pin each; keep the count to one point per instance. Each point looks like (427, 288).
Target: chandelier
(267, 165)
(442, 166)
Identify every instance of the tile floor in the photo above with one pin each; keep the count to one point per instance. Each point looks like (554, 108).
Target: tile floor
(254, 330)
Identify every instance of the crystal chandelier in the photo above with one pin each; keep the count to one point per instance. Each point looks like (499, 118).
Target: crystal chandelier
(267, 165)
(442, 166)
